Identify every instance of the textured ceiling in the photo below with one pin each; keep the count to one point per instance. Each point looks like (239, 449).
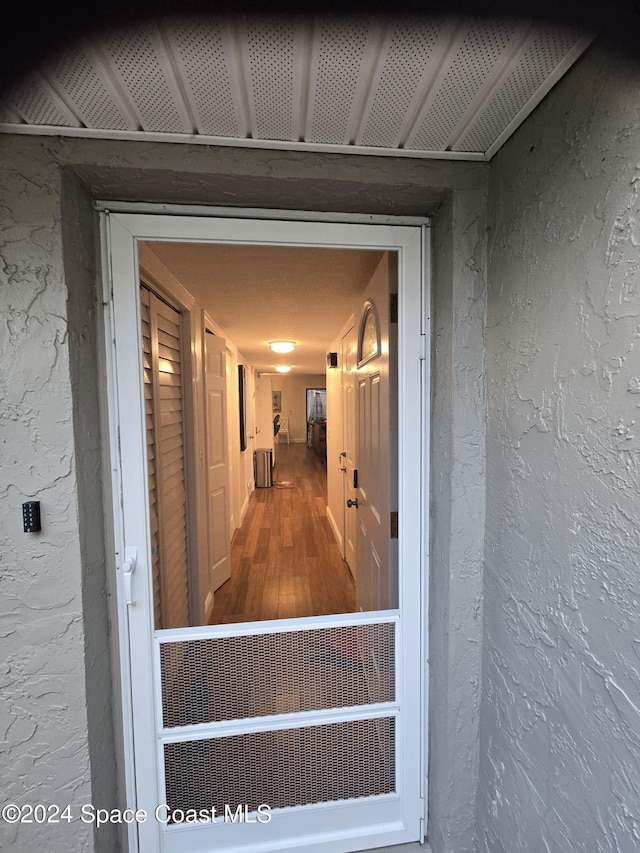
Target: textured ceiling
(258, 294)
(408, 87)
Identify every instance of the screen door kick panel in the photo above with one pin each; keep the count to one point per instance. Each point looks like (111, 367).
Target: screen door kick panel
(255, 725)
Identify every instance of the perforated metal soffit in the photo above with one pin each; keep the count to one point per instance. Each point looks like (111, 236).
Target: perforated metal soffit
(403, 87)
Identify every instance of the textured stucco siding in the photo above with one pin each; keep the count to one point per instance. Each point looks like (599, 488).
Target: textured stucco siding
(81, 261)
(58, 701)
(560, 729)
(457, 519)
(43, 718)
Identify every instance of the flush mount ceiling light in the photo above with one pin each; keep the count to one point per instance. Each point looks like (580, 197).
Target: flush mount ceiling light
(283, 368)
(282, 347)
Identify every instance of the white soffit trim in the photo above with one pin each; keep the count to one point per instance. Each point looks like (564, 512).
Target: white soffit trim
(424, 88)
(264, 144)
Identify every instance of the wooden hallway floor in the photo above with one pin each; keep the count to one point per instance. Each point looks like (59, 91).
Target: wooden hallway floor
(285, 561)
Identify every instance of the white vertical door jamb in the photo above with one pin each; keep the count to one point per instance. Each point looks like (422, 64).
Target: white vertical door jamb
(409, 509)
(129, 407)
(425, 493)
(115, 471)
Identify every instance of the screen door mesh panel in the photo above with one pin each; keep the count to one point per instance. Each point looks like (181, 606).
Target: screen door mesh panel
(291, 767)
(229, 678)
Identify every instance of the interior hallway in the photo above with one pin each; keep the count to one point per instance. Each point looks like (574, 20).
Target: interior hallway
(285, 559)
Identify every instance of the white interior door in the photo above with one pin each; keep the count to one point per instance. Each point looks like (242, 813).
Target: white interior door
(233, 440)
(218, 497)
(374, 465)
(349, 344)
(254, 737)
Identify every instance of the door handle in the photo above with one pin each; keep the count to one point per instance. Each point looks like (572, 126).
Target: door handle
(128, 568)
(351, 503)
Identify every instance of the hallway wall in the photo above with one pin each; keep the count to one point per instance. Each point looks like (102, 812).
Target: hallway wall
(560, 744)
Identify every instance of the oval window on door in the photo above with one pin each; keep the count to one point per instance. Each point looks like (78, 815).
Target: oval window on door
(369, 334)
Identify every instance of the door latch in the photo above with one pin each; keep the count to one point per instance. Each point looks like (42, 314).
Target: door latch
(128, 568)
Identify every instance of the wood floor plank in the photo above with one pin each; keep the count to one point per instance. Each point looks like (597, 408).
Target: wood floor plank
(271, 592)
(285, 560)
(261, 552)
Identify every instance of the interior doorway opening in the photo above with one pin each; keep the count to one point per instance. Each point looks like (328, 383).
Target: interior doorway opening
(269, 498)
(317, 397)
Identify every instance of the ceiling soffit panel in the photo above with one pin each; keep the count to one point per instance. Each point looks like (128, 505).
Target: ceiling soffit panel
(440, 88)
(89, 90)
(205, 62)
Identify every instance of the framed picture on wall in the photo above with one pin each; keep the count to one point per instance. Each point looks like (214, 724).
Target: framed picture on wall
(277, 402)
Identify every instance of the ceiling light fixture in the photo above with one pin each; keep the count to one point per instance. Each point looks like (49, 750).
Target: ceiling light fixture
(283, 368)
(282, 346)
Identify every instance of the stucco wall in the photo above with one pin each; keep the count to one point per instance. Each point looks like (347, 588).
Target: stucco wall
(560, 732)
(49, 677)
(457, 514)
(81, 260)
(43, 716)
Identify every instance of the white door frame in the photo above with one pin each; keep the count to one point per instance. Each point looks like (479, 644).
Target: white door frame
(121, 232)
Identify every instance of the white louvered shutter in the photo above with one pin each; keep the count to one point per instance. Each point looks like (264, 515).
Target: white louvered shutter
(162, 346)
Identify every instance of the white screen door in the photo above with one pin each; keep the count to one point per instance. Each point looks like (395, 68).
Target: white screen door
(215, 355)
(215, 728)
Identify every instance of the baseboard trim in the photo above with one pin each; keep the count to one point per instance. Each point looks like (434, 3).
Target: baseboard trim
(243, 511)
(208, 608)
(336, 530)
